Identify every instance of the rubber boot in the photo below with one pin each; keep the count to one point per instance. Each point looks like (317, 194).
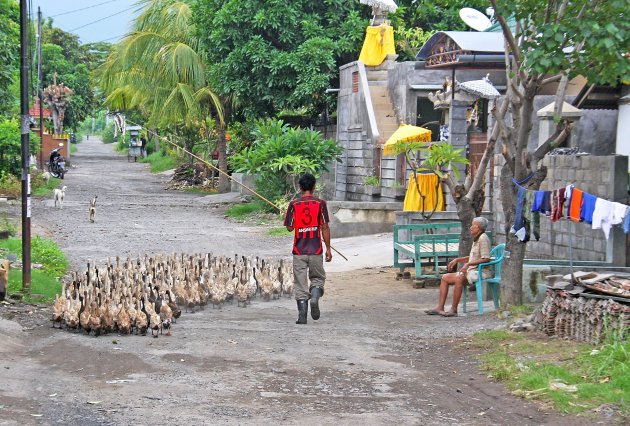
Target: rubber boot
(302, 311)
(316, 293)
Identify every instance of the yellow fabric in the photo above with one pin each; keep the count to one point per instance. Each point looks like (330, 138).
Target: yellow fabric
(379, 42)
(405, 133)
(427, 183)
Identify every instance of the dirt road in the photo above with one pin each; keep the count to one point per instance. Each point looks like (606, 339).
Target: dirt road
(373, 357)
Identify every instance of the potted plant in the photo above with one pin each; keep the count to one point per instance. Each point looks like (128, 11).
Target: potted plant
(372, 186)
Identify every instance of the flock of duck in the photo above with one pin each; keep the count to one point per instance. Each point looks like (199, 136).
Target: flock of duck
(146, 294)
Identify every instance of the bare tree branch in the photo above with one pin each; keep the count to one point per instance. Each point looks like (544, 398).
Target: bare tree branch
(507, 33)
(549, 80)
(559, 136)
(561, 93)
(561, 10)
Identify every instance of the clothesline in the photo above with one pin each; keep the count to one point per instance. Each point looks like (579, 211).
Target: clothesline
(581, 207)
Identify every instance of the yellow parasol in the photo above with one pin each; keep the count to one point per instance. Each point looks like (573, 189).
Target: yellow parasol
(406, 137)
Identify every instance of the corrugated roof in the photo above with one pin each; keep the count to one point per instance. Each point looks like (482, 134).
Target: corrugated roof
(473, 41)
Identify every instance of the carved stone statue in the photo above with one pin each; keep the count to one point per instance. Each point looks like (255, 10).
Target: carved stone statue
(57, 97)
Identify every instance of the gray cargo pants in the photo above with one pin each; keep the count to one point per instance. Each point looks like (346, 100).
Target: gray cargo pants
(307, 267)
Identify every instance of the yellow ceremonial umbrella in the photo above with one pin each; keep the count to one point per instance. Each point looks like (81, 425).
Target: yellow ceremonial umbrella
(405, 138)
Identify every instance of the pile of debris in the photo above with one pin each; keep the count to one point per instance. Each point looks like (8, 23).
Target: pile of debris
(584, 306)
(193, 175)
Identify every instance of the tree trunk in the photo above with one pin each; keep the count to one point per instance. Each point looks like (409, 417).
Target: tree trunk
(55, 119)
(512, 276)
(156, 141)
(224, 182)
(512, 273)
(466, 214)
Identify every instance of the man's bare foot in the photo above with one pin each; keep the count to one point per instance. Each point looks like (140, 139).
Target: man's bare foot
(435, 311)
(448, 314)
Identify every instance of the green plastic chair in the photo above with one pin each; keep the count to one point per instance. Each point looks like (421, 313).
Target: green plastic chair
(498, 254)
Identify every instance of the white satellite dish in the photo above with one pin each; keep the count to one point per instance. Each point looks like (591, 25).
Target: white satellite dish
(474, 19)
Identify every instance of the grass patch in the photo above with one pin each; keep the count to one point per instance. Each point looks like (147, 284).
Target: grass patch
(44, 189)
(572, 377)
(44, 287)
(240, 212)
(160, 163)
(200, 190)
(45, 282)
(73, 148)
(521, 310)
(279, 231)
(257, 212)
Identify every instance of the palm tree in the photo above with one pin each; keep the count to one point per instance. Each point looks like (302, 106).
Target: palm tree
(157, 69)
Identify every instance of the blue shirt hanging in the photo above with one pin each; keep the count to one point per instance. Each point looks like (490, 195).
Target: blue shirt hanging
(588, 207)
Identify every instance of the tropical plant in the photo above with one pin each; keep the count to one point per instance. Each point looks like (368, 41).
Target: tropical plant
(158, 70)
(279, 154)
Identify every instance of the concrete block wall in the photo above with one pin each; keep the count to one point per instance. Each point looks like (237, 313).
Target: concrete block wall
(603, 176)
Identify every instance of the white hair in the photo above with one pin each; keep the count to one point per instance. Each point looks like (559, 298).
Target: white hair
(482, 222)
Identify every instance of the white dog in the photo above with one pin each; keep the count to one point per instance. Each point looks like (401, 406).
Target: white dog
(59, 195)
(46, 176)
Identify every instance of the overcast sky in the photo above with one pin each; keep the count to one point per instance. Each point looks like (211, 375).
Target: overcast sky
(95, 22)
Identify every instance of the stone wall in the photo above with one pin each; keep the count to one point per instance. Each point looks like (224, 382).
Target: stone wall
(603, 176)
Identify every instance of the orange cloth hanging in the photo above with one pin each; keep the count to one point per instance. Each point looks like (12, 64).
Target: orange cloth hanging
(428, 183)
(576, 205)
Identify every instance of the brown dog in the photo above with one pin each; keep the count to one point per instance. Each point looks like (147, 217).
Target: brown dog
(93, 209)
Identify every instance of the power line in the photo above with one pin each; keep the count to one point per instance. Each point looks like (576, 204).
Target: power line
(102, 19)
(107, 39)
(83, 8)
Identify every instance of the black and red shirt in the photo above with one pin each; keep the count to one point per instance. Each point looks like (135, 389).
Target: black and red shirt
(306, 215)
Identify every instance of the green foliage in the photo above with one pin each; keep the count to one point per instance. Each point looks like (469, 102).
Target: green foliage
(157, 69)
(409, 41)
(9, 54)
(433, 15)
(107, 135)
(10, 185)
(62, 54)
(273, 55)
(9, 146)
(372, 181)
(549, 36)
(443, 156)
(280, 154)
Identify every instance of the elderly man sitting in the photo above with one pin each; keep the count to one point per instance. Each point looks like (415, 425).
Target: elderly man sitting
(479, 253)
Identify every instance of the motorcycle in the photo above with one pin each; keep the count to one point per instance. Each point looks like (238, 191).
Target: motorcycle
(56, 164)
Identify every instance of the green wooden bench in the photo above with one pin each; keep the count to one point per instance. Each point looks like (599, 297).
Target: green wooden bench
(421, 244)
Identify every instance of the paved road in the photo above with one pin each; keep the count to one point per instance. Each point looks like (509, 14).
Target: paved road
(136, 215)
(373, 358)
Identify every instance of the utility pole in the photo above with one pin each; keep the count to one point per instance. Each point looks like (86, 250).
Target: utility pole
(25, 130)
(40, 87)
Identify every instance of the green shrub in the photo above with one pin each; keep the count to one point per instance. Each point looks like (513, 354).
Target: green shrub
(10, 185)
(279, 154)
(107, 135)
